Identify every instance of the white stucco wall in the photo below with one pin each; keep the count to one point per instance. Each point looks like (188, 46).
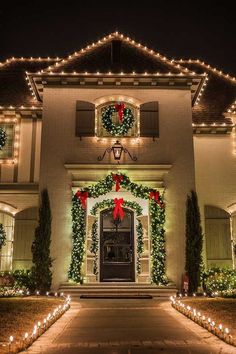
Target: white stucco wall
(215, 166)
(60, 146)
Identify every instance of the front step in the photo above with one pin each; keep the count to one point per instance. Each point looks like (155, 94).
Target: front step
(117, 290)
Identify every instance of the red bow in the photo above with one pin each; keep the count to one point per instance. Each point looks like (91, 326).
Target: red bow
(82, 197)
(156, 196)
(117, 179)
(118, 211)
(119, 107)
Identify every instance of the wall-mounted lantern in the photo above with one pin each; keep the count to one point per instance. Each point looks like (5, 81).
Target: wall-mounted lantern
(117, 149)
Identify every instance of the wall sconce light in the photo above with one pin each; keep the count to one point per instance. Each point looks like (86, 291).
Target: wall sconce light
(117, 149)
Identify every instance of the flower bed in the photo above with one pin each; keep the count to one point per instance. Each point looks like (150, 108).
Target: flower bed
(217, 315)
(24, 319)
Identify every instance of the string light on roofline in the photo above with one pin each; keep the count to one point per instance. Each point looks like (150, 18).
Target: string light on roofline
(116, 34)
(20, 59)
(208, 67)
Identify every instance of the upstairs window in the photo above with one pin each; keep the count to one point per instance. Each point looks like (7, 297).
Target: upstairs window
(90, 120)
(7, 144)
(130, 118)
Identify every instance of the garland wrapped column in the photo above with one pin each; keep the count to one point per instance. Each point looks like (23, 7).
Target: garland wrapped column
(78, 240)
(158, 243)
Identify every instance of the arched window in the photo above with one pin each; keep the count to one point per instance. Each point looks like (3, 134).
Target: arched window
(218, 238)
(101, 131)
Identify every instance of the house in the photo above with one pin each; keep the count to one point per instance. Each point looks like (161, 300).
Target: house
(117, 125)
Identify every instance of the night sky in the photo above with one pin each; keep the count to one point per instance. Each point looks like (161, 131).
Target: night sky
(177, 29)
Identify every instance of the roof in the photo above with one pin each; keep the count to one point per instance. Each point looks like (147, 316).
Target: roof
(14, 90)
(120, 55)
(116, 53)
(217, 97)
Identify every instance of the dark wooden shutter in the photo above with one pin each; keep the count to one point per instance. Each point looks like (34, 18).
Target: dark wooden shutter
(85, 118)
(149, 121)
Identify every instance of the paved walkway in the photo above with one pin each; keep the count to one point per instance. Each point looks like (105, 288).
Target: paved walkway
(127, 327)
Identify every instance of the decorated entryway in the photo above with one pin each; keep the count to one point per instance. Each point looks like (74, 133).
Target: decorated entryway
(114, 239)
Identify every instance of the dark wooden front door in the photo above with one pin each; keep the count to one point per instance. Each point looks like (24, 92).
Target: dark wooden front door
(117, 247)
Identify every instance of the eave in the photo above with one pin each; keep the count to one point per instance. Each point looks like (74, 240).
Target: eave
(195, 83)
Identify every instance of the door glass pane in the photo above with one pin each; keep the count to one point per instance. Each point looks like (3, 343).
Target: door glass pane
(116, 236)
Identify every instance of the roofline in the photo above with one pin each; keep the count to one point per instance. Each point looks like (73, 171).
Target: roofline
(32, 77)
(121, 36)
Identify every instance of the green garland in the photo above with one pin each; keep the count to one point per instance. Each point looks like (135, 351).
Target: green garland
(120, 129)
(157, 217)
(3, 138)
(108, 204)
(3, 236)
(78, 240)
(158, 253)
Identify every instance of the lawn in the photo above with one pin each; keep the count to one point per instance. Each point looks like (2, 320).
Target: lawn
(218, 309)
(18, 315)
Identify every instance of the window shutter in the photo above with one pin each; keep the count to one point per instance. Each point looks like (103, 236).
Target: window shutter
(85, 118)
(149, 120)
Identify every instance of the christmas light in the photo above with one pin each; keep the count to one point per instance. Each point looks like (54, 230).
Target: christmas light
(201, 320)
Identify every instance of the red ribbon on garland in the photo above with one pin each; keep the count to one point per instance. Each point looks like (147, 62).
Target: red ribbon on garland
(117, 179)
(118, 211)
(82, 197)
(119, 107)
(156, 196)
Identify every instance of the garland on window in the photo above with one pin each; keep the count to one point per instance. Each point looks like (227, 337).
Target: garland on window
(107, 204)
(3, 138)
(3, 236)
(157, 216)
(126, 119)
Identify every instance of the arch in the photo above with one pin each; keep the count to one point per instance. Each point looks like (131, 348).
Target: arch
(218, 236)
(110, 98)
(25, 224)
(8, 208)
(6, 252)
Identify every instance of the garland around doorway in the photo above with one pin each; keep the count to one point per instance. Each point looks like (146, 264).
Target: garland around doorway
(157, 220)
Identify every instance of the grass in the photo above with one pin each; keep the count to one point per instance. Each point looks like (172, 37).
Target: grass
(218, 309)
(18, 315)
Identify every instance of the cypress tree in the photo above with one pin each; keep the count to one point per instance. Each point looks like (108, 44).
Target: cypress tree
(194, 241)
(42, 262)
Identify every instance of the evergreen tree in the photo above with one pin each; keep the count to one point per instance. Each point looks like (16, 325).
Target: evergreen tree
(3, 236)
(41, 270)
(194, 241)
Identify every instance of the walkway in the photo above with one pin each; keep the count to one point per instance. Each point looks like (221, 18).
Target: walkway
(127, 327)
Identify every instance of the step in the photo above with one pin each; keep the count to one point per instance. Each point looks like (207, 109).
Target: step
(117, 290)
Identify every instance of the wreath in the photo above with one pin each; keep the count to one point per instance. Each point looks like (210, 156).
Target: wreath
(3, 138)
(126, 119)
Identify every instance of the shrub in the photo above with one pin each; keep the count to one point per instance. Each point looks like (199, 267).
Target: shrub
(24, 279)
(219, 279)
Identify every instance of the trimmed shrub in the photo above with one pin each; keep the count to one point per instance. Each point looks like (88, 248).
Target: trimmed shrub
(219, 279)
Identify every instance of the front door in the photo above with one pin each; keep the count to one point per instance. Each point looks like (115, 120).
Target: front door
(117, 247)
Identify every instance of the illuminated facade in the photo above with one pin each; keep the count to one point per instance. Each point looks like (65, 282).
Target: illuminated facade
(183, 136)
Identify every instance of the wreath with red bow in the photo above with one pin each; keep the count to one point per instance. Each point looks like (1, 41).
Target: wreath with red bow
(126, 119)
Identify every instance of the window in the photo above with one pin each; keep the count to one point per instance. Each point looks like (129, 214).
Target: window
(7, 151)
(101, 132)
